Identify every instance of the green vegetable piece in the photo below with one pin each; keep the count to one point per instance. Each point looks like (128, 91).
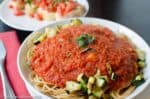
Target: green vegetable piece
(83, 81)
(90, 83)
(72, 23)
(141, 64)
(101, 82)
(84, 40)
(82, 43)
(97, 92)
(141, 54)
(89, 91)
(40, 39)
(91, 80)
(92, 97)
(76, 22)
(72, 86)
(82, 78)
(138, 82)
(51, 32)
(97, 74)
(139, 79)
(84, 87)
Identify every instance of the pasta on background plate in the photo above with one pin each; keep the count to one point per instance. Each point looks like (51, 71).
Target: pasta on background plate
(47, 9)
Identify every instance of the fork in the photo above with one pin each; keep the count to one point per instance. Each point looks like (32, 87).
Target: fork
(8, 92)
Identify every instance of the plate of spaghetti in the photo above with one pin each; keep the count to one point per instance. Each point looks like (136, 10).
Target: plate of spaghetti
(39, 13)
(85, 58)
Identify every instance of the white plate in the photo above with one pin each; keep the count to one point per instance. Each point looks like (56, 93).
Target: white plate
(115, 27)
(144, 95)
(25, 22)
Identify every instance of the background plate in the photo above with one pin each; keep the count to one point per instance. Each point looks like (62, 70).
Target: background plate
(25, 22)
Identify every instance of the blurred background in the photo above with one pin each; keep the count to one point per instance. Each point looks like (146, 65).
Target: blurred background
(134, 14)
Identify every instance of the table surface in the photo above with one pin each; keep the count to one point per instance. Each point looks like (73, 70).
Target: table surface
(134, 14)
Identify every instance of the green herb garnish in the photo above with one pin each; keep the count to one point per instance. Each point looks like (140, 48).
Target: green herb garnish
(84, 40)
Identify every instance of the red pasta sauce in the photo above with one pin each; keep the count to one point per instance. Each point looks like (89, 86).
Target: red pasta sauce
(60, 59)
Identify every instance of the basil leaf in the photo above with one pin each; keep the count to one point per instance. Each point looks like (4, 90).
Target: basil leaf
(81, 43)
(84, 40)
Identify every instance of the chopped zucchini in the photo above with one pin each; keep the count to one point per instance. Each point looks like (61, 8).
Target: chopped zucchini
(92, 97)
(40, 39)
(141, 64)
(91, 80)
(97, 74)
(82, 78)
(139, 77)
(72, 86)
(138, 80)
(79, 78)
(51, 32)
(90, 83)
(84, 87)
(83, 81)
(141, 54)
(75, 22)
(97, 92)
(89, 91)
(101, 82)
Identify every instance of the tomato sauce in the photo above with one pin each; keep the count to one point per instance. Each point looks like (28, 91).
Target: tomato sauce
(59, 59)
